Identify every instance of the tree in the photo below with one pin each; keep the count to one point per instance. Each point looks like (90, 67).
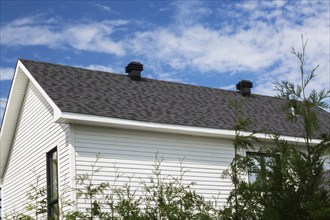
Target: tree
(289, 183)
(308, 166)
(242, 199)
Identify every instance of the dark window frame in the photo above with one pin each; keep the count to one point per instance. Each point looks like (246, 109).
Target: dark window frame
(261, 157)
(52, 199)
(0, 203)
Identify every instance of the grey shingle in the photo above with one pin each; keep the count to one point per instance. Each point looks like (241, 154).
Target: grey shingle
(114, 95)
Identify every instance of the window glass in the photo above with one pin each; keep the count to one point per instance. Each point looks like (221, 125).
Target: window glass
(253, 176)
(0, 204)
(54, 176)
(52, 184)
(258, 166)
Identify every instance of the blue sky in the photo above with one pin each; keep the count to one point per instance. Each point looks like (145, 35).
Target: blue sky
(209, 43)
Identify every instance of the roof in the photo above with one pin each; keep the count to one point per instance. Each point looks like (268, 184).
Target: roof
(89, 92)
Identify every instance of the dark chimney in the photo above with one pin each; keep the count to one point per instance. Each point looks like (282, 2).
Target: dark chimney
(134, 70)
(244, 87)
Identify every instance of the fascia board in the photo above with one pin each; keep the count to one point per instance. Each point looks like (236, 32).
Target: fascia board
(13, 109)
(40, 89)
(10, 116)
(74, 118)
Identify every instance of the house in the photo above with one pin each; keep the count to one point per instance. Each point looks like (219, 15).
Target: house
(58, 118)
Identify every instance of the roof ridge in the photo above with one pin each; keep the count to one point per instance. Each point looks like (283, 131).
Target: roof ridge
(158, 80)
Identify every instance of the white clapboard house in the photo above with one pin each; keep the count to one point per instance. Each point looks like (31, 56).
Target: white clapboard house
(69, 115)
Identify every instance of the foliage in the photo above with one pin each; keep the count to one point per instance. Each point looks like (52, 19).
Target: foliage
(293, 182)
(36, 199)
(36, 202)
(160, 197)
(309, 166)
(289, 185)
(298, 103)
(241, 203)
(129, 205)
(91, 193)
(64, 201)
(287, 189)
(166, 197)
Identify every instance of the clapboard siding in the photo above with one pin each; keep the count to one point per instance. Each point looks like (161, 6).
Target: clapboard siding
(134, 152)
(35, 135)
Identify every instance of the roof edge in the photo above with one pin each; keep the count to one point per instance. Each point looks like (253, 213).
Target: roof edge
(13, 109)
(40, 89)
(11, 114)
(84, 119)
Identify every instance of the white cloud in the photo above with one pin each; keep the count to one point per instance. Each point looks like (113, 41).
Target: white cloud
(189, 12)
(94, 37)
(99, 67)
(24, 21)
(107, 9)
(3, 102)
(103, 7)
(205, 49)
(115, 67)
(26, 35)
(262, 49)
(247, 5)
(252, 37)
(6, 73)
(273, 4)
(229, 87)
(33, 19)
(167, 76)
(86, 36)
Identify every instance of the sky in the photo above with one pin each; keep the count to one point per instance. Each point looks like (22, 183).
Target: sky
(207, 43)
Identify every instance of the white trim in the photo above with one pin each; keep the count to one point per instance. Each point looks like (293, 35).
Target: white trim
(72, 156)
(67, 117)
(13, 109)
(11, 116)
(40, 89)
(51, 147)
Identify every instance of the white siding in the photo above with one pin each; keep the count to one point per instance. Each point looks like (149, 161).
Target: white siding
(134, 154)
(35, 135)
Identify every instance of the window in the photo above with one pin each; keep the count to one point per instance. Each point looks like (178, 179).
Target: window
(259, 165)
(52, 184)
(0, 205)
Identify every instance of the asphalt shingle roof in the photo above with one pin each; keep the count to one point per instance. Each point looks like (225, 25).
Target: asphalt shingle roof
(100, 93)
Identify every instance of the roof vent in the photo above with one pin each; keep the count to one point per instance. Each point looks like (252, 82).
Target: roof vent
(244, 87)
(134, 70)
